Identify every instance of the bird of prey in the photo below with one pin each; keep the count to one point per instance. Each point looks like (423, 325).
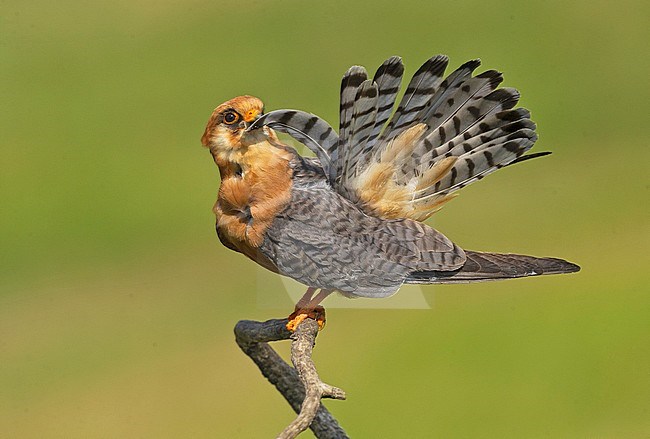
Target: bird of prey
(351, 219)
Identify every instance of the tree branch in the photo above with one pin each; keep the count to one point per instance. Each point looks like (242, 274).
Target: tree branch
(253, 337)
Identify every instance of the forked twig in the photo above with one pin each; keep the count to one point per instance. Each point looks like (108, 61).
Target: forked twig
(253, 337)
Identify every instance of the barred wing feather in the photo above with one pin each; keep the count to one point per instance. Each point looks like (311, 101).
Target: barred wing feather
(307, 128)
(444, 134)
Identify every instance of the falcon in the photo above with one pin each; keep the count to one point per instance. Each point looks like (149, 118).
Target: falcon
(351, 219)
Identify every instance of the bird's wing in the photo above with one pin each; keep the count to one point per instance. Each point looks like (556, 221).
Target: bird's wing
(307, 128)
(481, 266)
(324, 241)
(444, 135)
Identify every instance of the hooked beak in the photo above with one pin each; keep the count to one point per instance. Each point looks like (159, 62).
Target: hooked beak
(250, 119)
(251, 124)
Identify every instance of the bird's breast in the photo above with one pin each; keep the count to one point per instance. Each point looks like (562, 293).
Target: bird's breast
(253, 191)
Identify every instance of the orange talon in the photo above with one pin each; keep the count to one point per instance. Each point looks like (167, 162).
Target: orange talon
(317, 313)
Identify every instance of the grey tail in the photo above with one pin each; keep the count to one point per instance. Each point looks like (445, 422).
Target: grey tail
(494, 266)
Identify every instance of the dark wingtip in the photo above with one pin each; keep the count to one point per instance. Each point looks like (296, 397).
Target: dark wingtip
(570, 267)
(523, 158)
(472, 64)
(557, 266)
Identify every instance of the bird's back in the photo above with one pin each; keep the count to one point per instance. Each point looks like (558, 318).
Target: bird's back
(323, 240)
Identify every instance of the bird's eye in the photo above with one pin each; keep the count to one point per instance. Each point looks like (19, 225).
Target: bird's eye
(230, 117)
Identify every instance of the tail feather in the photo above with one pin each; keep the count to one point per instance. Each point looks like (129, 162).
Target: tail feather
(494, 266)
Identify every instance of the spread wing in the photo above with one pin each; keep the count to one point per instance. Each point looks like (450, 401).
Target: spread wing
(444, 134)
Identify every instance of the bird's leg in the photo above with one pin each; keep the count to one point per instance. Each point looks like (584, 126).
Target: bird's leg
(309, 307)
(301, 311)
(306, 298)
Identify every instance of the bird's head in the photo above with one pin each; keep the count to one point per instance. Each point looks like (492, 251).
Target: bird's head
(226, 129)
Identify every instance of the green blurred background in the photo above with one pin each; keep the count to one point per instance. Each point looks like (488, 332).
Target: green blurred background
(117, 302)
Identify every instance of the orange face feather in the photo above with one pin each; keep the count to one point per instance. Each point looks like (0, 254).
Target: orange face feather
(226, 129)
(255, 174)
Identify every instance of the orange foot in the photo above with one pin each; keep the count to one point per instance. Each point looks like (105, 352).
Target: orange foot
(317, 313)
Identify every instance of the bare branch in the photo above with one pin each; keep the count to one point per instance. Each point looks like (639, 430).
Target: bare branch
(253, 337)
(302, 345)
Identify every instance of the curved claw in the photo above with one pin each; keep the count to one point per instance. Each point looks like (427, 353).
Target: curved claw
(298, 316)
